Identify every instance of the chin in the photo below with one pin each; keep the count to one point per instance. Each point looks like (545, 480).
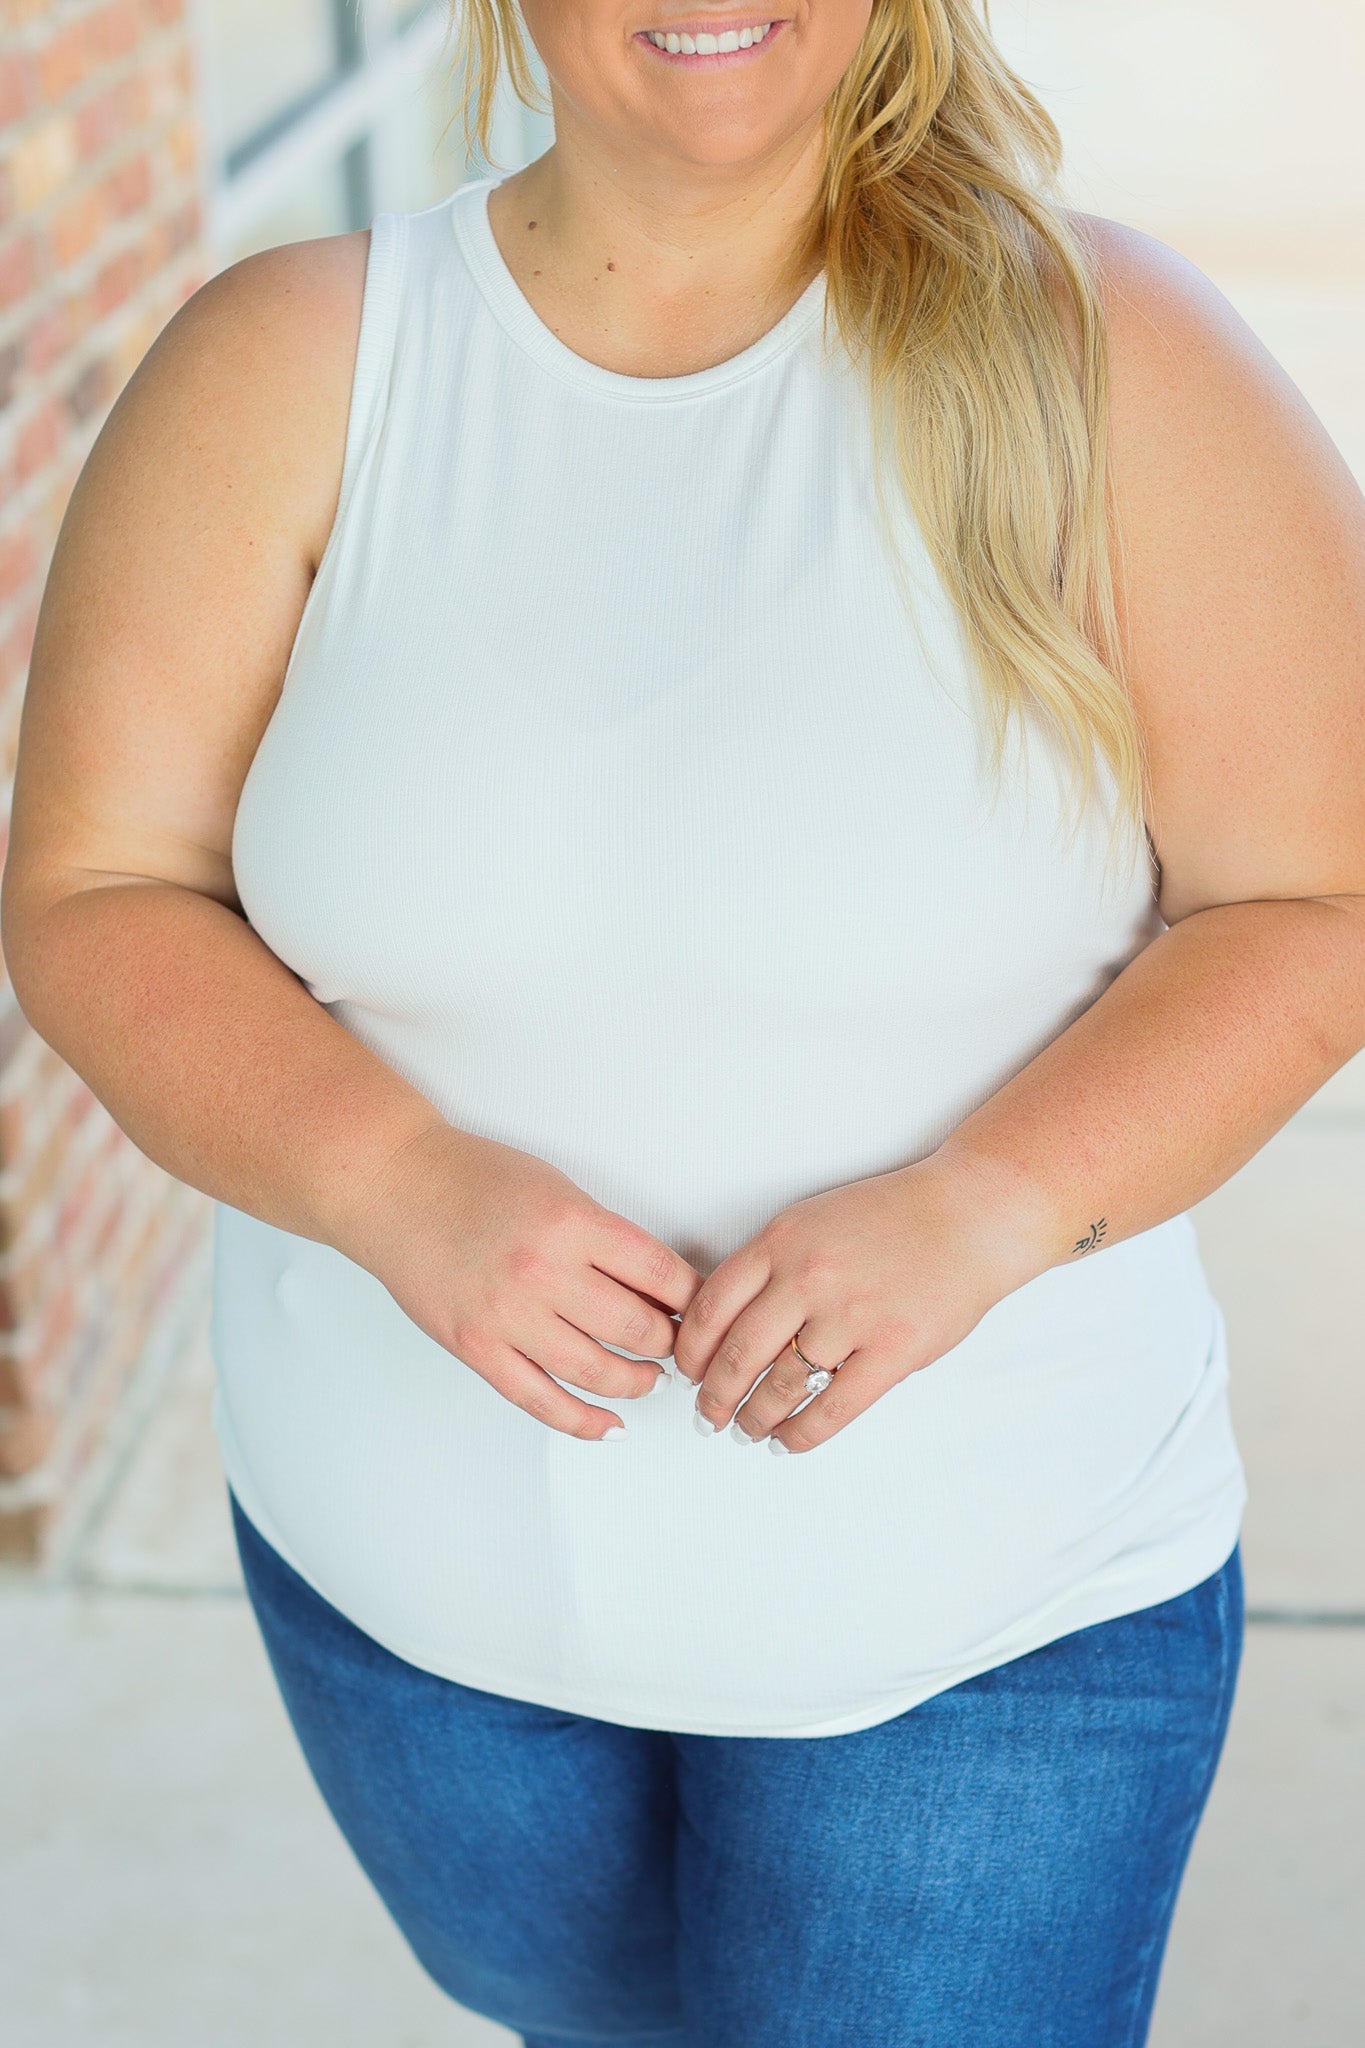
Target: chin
(721, 147)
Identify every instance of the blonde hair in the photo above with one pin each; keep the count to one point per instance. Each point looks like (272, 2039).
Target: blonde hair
(951, 269)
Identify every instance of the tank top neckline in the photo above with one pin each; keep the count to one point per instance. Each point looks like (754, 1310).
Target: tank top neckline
(509, 304)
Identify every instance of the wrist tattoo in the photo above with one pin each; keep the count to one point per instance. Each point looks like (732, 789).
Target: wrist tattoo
(1093, 1238)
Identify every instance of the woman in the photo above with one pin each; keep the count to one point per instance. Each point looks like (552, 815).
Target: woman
(803, 708)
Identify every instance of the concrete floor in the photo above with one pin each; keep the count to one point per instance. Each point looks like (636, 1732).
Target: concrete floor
(169, 1876)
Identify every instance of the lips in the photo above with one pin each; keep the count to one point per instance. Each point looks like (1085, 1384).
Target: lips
(714, 42)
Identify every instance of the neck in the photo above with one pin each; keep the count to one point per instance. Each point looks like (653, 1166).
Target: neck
(658, 267)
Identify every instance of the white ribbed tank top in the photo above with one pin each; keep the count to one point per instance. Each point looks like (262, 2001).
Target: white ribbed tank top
(617, 798)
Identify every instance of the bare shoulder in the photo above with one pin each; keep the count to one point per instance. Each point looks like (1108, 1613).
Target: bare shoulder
(277, 297)
(257, 366)
(1184, 361)
(181, 571)
(1239, 553)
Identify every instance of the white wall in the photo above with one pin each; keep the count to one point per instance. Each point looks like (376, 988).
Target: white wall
(1234, 127)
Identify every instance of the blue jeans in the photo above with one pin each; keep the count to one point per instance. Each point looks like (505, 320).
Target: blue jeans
(996, 1868)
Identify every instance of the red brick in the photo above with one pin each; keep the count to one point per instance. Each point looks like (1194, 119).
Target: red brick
(18, 561)
(77, 226)
(115, 29)
(39, 440)
(117, 281)
(65, 61)
(129, 186)
(16, 86)
(18, 269)
(18, 13)
(133, 98)
(97, 120)
(49, 335)
(41, 158)
(91, 390)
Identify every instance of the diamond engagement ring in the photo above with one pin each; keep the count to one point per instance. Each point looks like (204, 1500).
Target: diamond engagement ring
(819, 1376)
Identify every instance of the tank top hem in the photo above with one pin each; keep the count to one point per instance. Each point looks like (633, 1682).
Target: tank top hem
(1098, 1599)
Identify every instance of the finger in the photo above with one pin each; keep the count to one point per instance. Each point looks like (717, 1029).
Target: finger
(522, 1382)
(606, 1310)
(782, 1390)
(727, 1289)
(559, 1347)
(854, 1388)
(756, 1338)
(642, 1262)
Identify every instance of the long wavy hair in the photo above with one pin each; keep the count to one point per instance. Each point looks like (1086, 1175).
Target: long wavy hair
(957, 277)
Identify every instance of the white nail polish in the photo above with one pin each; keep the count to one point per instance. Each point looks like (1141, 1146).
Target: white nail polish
(742, 1436)
(777, 1447)
(701, 1425)
(610, 1435)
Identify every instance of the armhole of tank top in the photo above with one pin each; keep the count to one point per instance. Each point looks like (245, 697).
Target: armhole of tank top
(384, 268)
(385, 262)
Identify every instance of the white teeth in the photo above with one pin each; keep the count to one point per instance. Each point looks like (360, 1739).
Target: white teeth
(708, 46)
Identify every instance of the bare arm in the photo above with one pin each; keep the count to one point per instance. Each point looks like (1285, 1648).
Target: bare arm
(175, 594)
(1242, 582)
(177, 583)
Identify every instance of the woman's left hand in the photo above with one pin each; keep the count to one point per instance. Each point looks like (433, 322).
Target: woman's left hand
(885, 1274)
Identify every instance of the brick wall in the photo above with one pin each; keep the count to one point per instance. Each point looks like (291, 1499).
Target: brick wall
(101, 1253)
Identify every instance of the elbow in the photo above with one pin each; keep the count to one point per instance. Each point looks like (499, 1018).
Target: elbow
(21, 941)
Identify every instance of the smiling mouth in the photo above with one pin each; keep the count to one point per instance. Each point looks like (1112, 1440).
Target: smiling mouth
(735, 42)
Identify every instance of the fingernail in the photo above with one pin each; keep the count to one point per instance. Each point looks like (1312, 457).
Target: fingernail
(701, 1425)
(662, 1380)
(742, 1436)
(610, 1435)
(778, 1448)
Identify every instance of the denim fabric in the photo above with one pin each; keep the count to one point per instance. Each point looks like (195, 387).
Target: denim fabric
(996, 1868)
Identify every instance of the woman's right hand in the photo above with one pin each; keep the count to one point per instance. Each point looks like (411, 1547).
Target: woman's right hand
(506, 1262)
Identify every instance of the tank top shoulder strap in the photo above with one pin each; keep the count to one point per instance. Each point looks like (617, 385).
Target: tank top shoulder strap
(384, 276)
